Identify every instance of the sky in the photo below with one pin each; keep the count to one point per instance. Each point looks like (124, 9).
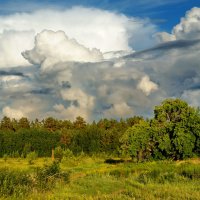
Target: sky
(97, 59)
(165, 13)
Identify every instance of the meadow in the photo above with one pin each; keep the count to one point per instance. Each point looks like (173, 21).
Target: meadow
(134, 158)
(90, 177)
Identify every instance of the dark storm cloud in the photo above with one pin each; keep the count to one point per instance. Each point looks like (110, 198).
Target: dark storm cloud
(42, 91)
(167, 46)
(11, 73)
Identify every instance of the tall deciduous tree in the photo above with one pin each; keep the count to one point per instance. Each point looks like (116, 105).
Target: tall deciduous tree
(181, 123)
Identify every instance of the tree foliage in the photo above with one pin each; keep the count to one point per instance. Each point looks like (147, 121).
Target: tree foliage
(173, 132)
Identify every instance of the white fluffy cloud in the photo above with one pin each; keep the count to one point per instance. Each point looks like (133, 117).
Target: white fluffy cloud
(55, 47)
(12, 43)
(187, 29)
(146, 85)
(93, 28)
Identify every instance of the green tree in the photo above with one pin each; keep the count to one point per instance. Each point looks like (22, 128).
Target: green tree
(50, 124)
(24, 123)
(6, 124)
(184, 142)
(161, 140)
(139, 141)
(133, 120)
(79, 123)
(181, 124)
(66, 124)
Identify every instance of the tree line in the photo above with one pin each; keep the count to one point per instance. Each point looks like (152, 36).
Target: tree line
(173, 133)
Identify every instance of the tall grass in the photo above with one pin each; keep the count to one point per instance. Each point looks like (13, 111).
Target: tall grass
(18, 184)
(92, 178)
(14, 183)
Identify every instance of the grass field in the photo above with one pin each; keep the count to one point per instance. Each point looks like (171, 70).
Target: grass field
(92, 178)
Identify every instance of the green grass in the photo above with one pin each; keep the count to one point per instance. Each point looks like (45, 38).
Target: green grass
(91, 178)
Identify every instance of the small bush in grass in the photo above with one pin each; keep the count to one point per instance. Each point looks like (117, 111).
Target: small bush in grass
(68, 153)
(32, 156)
(47, 176)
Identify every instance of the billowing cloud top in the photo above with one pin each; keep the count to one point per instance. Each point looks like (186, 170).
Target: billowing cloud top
(95, 63)
(55, 47)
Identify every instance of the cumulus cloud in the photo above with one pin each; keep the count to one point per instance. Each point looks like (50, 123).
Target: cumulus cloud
(79, 80)
(146, 85)
(55, 47)
(13, 113)
(26, 106)
(94, 28)
(119, 110)
(12, 43)
(187, 29)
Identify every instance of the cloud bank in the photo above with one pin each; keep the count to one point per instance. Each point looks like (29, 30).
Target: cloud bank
(94, 68)
(93, 28)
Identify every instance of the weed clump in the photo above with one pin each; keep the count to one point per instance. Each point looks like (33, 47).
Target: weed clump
(48, 175)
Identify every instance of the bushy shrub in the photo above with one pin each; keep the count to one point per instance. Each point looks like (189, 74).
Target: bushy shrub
(47, 176)
(32, 156)
(68, 153)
